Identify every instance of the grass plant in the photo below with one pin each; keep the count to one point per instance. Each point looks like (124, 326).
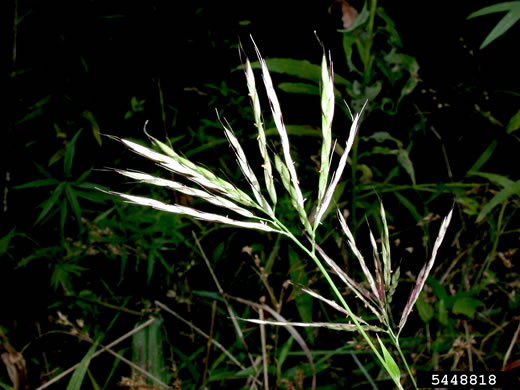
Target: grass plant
(259, 212)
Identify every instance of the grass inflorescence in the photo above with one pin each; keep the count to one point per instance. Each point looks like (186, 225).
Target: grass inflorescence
(259, 212)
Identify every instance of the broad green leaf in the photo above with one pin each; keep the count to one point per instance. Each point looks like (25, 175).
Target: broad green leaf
(404, 159)
(466, 306)
(504, 194)
(381, 136)
(514, 123)
(438, 289)
(79, 374)
(424, 309)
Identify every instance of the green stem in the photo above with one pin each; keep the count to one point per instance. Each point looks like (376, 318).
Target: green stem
(367, 61)
(395, 341)
(336, 292)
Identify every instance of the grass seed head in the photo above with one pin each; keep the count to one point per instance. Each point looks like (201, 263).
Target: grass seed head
(425, 271)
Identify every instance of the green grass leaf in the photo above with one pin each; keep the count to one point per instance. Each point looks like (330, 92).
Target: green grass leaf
(49, 203)
(391, 366)
(5, 240)
(512, 16)
(79, 374)
(37, 183)
(69, 154)
(503, 195)
(484, 157)
(514, 123)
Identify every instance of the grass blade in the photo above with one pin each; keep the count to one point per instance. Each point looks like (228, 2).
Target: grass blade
(76, 380)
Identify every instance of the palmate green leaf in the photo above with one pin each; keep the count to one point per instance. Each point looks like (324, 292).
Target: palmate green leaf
(503, 195)
(512, 16)
(381, 136)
